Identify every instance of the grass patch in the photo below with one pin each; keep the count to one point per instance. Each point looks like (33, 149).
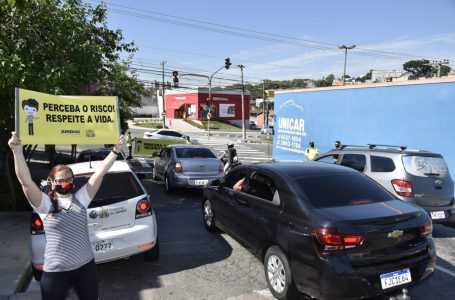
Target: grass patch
(150, 125)
(215, 125)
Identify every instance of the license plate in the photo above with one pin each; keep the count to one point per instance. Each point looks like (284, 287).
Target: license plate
(437, 214)
(103, 246)
(201, 182)
(395, 278)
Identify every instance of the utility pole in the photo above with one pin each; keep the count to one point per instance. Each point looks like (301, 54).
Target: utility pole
(345, 58)
(263, 103)
(243, 102)
(438, 64)
(162, 95)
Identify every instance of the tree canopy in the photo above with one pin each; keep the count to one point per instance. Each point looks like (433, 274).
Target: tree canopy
(63, 48)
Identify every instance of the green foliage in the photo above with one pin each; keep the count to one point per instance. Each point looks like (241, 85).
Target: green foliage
(367, 76)
(419, 68)
(62, 47)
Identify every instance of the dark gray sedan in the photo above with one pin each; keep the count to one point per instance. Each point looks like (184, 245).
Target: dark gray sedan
(188, 166)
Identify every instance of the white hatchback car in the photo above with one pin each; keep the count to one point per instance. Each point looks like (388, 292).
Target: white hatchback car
(164, 134)
(121, 221)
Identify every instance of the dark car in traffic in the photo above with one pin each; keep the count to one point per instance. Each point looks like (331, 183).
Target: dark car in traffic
(97, 154)
(326, 231)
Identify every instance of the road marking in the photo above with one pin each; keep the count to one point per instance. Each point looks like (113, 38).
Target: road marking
(447, 271)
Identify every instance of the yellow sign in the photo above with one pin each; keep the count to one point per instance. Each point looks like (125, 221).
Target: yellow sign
(153, 146)
(49, 119)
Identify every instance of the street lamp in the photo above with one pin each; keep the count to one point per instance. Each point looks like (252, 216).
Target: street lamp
(345, 57)
(243, 103)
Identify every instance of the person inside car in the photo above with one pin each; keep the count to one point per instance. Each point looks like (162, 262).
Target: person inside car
(239, 184)
(68, 258)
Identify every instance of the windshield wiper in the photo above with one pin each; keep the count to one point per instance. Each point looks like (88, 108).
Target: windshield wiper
(432, 174)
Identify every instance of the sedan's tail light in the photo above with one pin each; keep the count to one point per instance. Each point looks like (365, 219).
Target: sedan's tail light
(221, 168)
(426, 228)
(36, 225)
(143, 208)
(402, 187)
(178, 167)
(329, 239)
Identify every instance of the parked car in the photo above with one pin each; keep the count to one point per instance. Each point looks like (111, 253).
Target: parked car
(189, 166)
(97, 154)
(419, 177)
(268, 130)
(165, 134)
(121, 221)
(327, 231)
(253, 125)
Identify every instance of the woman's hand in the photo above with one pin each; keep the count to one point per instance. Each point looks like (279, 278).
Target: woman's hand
(119, 146)
(14, 142)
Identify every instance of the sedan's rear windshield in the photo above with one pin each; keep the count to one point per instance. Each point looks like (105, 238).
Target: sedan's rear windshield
(116, 187)
(342, 189)
(424, 166)
(194, 153)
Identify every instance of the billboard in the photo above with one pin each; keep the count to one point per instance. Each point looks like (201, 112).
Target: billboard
(153, 146)
(49, 119)
(227, 110)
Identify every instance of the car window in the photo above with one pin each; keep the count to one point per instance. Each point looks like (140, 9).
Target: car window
(162, 152)
(382, 164)
(115, 187)
(342, 189)
(354, 161)
(234, 176)
(176, 134)
(330, 159)
(167, 153)
(261, 186)
(424, 166)
(194, 153)
(164, 132)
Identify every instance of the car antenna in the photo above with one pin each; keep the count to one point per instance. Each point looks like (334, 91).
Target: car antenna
(90, 161)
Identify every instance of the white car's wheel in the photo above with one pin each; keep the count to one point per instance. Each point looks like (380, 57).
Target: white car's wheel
(167, 184)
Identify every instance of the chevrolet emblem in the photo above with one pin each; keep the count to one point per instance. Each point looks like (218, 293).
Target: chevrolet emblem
(395, 234)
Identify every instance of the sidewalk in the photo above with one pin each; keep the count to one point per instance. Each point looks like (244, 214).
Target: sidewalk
(15, 268)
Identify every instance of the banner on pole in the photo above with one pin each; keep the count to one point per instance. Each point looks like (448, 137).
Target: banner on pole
(50, 119)
(153, 146)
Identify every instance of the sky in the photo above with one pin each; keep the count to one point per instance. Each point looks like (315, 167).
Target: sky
(283, 39)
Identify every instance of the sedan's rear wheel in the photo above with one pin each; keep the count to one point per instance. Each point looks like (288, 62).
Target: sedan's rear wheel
(278, 274)
(167, 184)
(209, 217)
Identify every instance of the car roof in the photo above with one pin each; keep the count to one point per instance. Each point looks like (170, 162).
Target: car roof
(187, 146)
(381, 150)
(96, 150)
(84, 167)
(298, 169)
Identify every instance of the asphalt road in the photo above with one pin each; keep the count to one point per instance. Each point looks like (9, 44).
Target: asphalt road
(196, 264)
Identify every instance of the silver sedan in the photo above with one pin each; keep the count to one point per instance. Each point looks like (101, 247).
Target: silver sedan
(188, 166)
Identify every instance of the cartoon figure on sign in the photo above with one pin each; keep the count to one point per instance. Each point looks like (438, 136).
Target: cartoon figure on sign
(30, 107)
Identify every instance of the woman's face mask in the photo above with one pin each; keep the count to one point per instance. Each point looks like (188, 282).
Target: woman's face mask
(63, 186)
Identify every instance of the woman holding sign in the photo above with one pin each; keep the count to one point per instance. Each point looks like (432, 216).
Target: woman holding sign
(68, 258)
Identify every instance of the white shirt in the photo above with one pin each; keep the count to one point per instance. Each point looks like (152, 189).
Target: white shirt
(64, 203)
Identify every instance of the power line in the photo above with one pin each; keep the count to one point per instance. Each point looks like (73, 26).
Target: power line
(267, 36)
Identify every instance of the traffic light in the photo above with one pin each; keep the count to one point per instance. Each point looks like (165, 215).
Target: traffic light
(175, 74)
(227, 63)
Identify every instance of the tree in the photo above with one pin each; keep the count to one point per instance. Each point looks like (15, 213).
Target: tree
(367, 76)
(419, 68)
(60, 47)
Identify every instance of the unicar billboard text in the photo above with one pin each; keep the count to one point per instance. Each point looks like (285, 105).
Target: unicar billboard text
(419, 114)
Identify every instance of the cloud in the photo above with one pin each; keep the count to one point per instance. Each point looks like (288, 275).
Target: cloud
(287, 62)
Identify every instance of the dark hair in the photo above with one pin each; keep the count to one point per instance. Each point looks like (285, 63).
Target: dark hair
(338, 142)
(30, 102)
(311, 144)
(51, 192)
